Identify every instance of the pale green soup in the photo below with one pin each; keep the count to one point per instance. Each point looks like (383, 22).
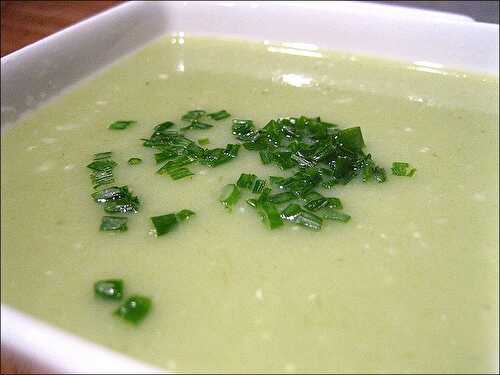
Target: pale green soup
(410, 284)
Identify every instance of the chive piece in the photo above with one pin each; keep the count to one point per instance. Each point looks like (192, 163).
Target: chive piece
(218, 156)
(120, 125)
(332, 214)
(193, 115)
(220, 115)
(113, 223)
(258, 186)
(165, 155)
(281, 197)
(127, 205)
(203, 141)
(270, 214)
(197, 125)
(315, 201)
(134, 161)
(184, 215)
(161, 128)
(402, 169)
(101, 164)
(117, 199)
(352, 138)
(110, 194)
(266, 156)
(111, 289)
(164, 224)
(102, 155)
(295, 214)
(229, 196)
(276, 180)
(246, 181)
(134, 309)
(102, 177)
(243, 129)
(252, 202)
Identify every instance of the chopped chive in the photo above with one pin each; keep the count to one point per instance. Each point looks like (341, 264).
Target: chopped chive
(243, 129)
(165, 155)
(333, 214)
(110, 194)
(218, 156)
(246, 181)
(281, 197)
(402, 169)
(203, 141)
(270, 214)
(160, 128)
(134, 309)
(127, 205)
(220, 115)
(266, 156)
(164, 224)
(111, 289)
(295, 214)
(113, 223)
(120, 125)
(258, 186)
(229, 196)
(102, 177)
(275, 180)
(184, 215)
(134, 161)
(352, 138)
(193, 115)
(101, 164)
(197, 125)
(315, 201)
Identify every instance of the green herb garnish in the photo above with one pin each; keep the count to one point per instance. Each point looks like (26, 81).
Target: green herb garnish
(184, 215)
(134, 161)
(220, 115)
(165, 223)
(193, 115)
(102, 169)
(269, 213)
(246, 181)
(134, 309)
(333, 214)
(197, 125)
(113, 223)
(109, 289)
(120, 125)
(117, 199)
(229, 196)
(297, 215)
(402, 169)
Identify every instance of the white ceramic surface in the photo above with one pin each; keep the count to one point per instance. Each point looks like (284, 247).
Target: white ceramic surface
(44, 69)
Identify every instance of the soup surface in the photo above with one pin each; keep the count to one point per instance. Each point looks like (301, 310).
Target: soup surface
(409, 284)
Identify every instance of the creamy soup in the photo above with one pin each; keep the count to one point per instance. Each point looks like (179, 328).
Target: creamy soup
(409, 284)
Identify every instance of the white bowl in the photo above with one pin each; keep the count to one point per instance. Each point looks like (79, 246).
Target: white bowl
(46, 68)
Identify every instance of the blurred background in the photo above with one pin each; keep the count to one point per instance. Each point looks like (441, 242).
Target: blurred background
(24, 22)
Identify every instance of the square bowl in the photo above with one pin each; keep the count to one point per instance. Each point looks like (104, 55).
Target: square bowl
(53, 65)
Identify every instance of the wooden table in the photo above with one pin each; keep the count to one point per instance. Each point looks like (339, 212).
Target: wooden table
(24, 22)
